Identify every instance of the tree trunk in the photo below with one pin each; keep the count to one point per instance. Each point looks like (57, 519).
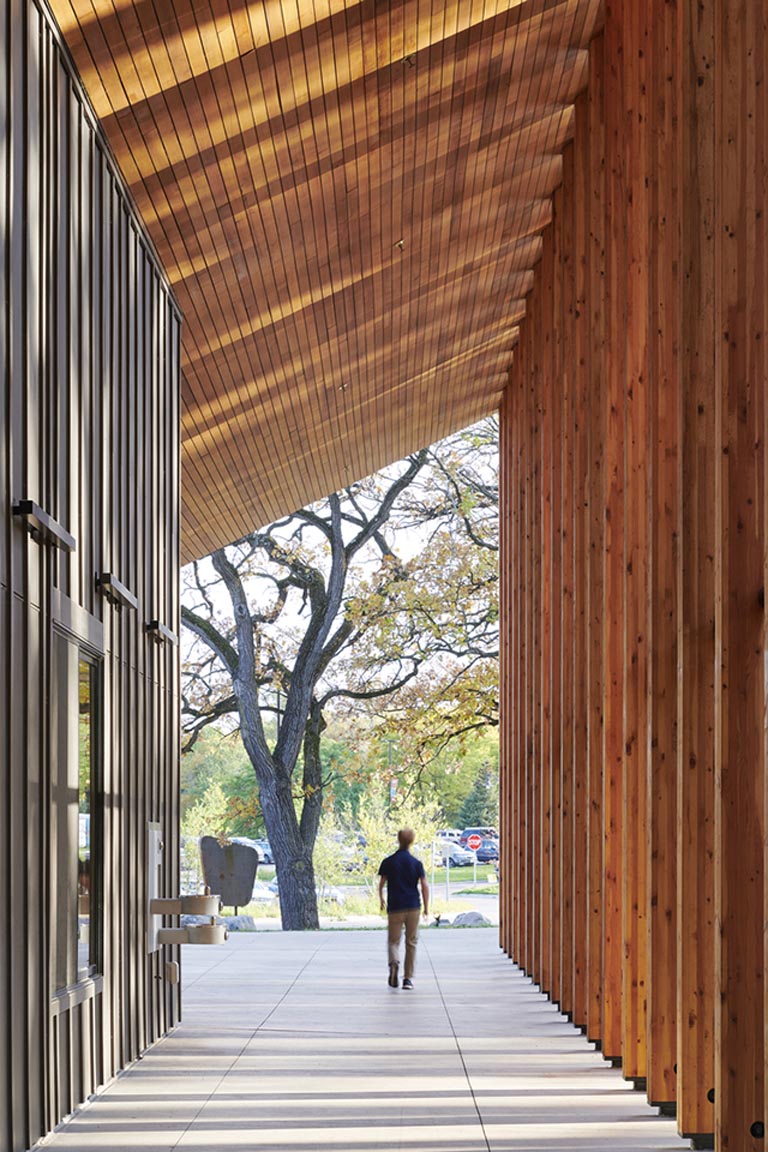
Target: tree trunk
(293, 858)
(312, 808)
(291, 851)
(298, 899)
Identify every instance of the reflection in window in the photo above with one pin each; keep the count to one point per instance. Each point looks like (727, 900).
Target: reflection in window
(85, 959)
(76, 798)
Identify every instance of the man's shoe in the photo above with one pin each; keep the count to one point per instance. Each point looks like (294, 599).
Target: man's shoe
(393, 982)
(407, 983)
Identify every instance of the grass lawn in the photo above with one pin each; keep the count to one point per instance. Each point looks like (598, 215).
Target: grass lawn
(361, 901)
(485, 875)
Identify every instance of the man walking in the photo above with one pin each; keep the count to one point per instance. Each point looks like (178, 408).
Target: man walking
(403, 874)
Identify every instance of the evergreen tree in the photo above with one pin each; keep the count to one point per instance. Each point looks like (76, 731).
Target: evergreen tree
(481, 807)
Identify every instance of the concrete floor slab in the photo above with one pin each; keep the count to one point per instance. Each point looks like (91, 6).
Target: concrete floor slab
(295, 1042)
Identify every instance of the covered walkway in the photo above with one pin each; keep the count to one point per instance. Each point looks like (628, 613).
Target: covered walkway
(295, 1042)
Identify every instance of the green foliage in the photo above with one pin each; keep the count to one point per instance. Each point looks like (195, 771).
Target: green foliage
(347, 763)
(379, 822)
(481, 806)
(209, 815)
(451, 771)
(330, 856)
(220, 758)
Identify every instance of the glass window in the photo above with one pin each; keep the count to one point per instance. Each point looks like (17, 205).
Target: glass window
(86, 959)
(76, 817)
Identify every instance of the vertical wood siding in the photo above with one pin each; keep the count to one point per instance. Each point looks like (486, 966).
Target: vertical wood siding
(655, 885)
(89, 357)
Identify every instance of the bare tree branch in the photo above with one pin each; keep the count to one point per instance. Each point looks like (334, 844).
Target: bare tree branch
(213, 638)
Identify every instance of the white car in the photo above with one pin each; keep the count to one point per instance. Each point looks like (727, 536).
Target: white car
(262, 893)
(449, 834)
(257, 845)
(329, 893)
(451, 850)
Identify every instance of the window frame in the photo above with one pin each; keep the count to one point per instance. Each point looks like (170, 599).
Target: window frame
(69, 982)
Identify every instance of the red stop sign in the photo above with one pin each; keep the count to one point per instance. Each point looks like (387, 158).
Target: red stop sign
(474, 841)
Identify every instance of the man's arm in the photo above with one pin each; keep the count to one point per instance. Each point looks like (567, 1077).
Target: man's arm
(382, 882)
(424, 895)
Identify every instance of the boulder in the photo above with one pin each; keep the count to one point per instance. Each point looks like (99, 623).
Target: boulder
(471, 920)
(239, 923)
(231, 923)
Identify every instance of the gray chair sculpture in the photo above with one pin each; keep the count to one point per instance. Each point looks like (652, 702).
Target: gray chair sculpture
(229, 869)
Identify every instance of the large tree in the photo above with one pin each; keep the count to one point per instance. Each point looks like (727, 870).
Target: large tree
(322, 607)
(452, 602)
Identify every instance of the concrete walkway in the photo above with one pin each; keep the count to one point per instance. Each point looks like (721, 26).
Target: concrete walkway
(294, 1042)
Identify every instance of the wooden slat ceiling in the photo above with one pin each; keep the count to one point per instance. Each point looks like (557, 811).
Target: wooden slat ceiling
(348, 200)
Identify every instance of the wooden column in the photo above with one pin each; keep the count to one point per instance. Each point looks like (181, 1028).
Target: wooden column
(637, 379)
(664, 245)
(518, 801)
(568, 257)
(531, 751)
(557, 388)
(613, 572)
(596, 398)
(640, 441)
(543, 894)
(696, 618)
(507, 670)
(536, 774)
(577, 520)
(740, 576)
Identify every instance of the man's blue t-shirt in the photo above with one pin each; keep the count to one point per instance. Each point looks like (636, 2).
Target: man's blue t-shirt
(403, 873)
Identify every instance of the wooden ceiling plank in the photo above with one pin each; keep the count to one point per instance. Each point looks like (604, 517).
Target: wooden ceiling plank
(258, 189)
(519, 142)
(459, 177)
(493, 351)
(196, 225)
(516, 255)
(555, 49)
(306, 222)
(129, 57)
(453, 71)
(273, 126)
(347, 56)
(267, 247)
(246, 400)
(228, 107)
(278, 152)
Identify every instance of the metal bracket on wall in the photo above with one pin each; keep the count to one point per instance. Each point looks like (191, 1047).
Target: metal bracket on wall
(161, 632)
(115, 591)
(42, 527)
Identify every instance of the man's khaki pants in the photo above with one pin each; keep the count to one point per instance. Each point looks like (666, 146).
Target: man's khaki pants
(408, 919)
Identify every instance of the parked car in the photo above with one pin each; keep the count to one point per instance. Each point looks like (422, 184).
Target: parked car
(266, 852)
(490, 833)
(451, 850)
(488, 850)
(260, 846)
(352, 856)
(248, 843)
(330, 893)
(262, 893)
(449, 834)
